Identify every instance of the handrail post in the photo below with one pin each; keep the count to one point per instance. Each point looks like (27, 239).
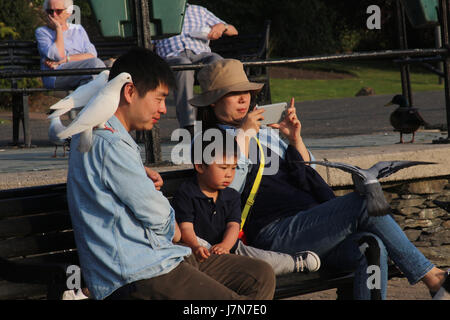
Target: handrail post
(403, 44)
(152, 139)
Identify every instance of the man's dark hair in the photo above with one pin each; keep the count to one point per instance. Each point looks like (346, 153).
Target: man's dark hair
(147, 69)
(226, 146)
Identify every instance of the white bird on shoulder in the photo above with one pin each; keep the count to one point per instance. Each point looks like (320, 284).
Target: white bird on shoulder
(366, 181)
(97, 111)
(81, 96)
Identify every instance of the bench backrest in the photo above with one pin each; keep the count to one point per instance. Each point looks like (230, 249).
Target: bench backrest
(35, 228)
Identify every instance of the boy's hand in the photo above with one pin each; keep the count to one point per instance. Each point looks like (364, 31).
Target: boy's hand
(201, 253)
(219, 249)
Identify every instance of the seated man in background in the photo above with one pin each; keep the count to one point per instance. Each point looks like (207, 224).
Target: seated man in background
(192, 46)
(64, 45)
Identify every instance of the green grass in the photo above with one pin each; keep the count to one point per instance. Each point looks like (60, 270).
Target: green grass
(383, 77)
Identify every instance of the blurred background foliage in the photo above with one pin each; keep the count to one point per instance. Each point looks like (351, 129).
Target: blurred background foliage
(299, 27)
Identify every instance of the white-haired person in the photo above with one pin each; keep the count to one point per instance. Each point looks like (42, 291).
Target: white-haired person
(64, 45)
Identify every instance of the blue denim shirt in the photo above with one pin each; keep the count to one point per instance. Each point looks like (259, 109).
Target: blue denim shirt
(123, 226)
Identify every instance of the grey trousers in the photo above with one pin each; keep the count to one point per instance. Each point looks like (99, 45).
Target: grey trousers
(281, 263)
(75, 81)
(186, 113)
(220, 277)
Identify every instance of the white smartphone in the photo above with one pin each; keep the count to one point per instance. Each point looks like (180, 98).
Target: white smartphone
(274, 112)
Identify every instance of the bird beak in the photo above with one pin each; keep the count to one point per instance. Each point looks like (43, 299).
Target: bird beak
(388, 104)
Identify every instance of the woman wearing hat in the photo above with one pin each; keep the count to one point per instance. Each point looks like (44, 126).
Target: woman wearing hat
(294, 209)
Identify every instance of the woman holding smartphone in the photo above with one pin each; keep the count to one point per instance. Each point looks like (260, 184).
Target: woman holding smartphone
(294, 209)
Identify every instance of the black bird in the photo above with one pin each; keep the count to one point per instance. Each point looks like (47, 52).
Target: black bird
(405, 118)
(366, 181)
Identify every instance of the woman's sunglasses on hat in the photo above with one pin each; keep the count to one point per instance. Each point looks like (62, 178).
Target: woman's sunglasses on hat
(57, 11)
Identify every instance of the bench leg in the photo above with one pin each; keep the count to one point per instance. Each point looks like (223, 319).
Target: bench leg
(20, 110)
(17, 116)
(26, 121)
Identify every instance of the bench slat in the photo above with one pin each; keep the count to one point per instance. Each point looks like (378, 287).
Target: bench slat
(46, 243)
(32, 205)
(28, 225)
(19, 291)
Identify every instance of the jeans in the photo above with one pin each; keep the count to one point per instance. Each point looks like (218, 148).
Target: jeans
(332, 230)
(186, 113)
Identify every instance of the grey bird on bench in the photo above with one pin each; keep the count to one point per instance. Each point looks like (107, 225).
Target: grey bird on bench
(366, 181)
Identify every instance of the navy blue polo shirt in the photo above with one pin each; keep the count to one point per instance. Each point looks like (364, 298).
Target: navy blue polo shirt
(210, 219)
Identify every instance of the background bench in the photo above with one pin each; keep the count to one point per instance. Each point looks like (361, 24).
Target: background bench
(17, 57)
(37, 245)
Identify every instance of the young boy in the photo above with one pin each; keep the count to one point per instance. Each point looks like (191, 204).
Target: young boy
(209, 213)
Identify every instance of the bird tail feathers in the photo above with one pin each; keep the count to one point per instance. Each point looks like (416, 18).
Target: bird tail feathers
(71, 131)
(376, 201)
(85, 142)
(58, 113)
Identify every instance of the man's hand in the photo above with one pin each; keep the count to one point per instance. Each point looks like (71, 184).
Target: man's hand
(217, 31)
(155, 177)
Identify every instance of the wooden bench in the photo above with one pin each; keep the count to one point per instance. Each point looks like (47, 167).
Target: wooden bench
(17, 57)
(37, 245)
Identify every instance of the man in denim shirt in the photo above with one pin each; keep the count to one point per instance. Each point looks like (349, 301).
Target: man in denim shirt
(125, 228)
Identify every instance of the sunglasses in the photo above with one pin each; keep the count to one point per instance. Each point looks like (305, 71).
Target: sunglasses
(57, 11)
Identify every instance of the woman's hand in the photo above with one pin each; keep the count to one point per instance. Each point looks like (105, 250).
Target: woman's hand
(249, 128)
(155, 177)
(290, 126)
(52, 23)
(252, 122)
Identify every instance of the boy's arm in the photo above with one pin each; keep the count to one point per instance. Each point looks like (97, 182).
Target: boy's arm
(230, 237)
(177, 234)
(189, 238)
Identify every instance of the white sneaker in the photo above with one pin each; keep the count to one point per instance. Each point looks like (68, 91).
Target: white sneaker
(306, 261)
(444, 291)
(74, 295)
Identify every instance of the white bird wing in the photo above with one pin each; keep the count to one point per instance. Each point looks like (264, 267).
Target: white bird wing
(343, 166)
(384, 169)
(98, 110)
(81, 96)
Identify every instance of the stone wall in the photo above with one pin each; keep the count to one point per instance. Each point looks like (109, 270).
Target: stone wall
(424, 223)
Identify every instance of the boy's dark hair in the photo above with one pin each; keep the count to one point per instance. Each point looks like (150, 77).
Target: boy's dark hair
(225, 146)
(147, 69)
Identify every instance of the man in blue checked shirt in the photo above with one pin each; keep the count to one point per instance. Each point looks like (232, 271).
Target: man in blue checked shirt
(192, 46)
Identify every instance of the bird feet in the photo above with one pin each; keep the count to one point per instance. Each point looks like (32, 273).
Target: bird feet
(106, 128)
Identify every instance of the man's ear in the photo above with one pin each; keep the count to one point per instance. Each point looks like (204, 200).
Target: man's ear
(128, 91)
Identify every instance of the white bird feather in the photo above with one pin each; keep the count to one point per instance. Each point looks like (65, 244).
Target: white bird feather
(97, 111)
(81, 96)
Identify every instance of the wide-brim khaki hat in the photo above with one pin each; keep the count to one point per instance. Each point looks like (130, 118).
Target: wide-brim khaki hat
(220, 78)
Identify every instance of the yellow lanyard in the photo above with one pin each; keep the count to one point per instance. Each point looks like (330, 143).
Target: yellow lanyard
(254, 190)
